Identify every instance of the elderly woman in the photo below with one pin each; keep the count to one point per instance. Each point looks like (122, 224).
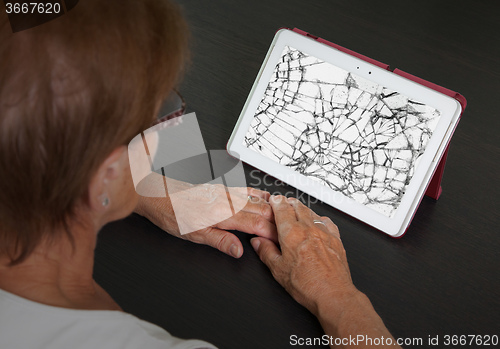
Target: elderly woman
(73, 93)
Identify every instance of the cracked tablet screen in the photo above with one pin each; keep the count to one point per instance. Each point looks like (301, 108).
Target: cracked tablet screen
(346, 132)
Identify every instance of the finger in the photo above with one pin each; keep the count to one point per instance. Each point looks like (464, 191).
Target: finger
(259, 206)
(224, 241)
(284, 213)
(257, 203)
(250, 223)
(258, 193)
(245, 192)
(302, 212)
(307, 215)
(268, 253)
(332, 227)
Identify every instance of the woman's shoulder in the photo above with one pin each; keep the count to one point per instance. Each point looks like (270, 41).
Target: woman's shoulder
(26, 324)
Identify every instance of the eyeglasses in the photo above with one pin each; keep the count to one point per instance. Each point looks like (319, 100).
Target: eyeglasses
(173, 106)
(170, 114)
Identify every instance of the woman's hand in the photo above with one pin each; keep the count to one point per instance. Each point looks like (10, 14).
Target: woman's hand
(205, 213)
(312, 265)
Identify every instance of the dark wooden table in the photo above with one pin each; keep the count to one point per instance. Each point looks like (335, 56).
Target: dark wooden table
(441, 278)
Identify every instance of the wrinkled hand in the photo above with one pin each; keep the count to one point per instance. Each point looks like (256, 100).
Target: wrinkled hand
(312, 265)
(203, 211)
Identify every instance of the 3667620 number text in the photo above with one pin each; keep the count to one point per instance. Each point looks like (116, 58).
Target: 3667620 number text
(33, 7)
(470, 340)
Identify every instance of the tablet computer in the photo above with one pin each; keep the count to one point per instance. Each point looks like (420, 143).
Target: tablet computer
(348, 132)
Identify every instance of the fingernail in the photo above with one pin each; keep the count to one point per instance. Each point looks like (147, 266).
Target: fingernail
(235, 251)
(275, 198)
(255, 244)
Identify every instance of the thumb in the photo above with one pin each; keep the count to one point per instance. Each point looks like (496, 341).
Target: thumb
(224, 241)
(267, 251)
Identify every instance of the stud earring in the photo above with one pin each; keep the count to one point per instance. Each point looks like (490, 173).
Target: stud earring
(105, 201)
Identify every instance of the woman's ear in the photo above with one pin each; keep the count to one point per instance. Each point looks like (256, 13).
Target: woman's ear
(104, 180)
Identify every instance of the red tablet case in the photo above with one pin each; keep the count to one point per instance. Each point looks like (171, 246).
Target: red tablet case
(434, 187)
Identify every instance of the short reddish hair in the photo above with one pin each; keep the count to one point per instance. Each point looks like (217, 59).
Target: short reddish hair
(71, 91)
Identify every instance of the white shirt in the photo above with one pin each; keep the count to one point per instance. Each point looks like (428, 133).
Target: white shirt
(25, 324)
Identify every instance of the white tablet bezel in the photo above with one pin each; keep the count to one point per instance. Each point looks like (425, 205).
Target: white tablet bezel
(450, 112)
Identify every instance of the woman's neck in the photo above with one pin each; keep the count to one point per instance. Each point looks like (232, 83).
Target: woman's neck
(59, 274)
